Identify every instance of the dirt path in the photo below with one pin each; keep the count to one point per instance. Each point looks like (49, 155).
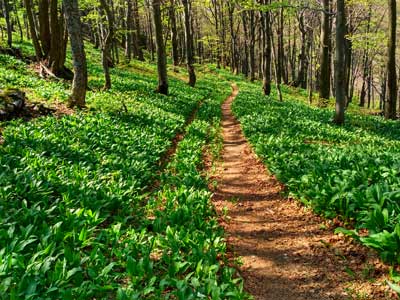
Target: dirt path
(287, 252)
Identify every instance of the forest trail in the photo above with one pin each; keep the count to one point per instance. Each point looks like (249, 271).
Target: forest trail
(287, 252)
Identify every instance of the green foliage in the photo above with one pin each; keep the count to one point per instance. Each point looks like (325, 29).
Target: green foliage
(188, 242)
(76, 217)
(15, 73)
(352, 171)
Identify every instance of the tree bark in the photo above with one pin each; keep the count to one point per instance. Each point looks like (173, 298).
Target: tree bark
(189, 42)
(34, 37)
(365, 64)
(281, 51)
(106, 47)
(390, 105)
(325, 76)
(234, 66)
(44, 26)
(6, 11)
(266, 50)
(303, 57)
(161, 56)
(174, 33)
(274, 59)
(252, 45)
(215, 12)
(349, 64)
(340, 68)
(79, 83)
(245, 60)
(58, 41)
(138, 40)
(129, 29)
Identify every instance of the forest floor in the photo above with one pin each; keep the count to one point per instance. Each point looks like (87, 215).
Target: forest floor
(285, 251)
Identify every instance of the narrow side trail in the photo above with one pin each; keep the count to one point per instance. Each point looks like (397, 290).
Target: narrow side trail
(287, 252)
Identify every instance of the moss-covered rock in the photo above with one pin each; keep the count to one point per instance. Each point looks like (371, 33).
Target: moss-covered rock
(12, 101)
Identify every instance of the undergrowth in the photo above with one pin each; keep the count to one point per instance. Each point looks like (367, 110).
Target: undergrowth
(77, 220)
(351, 171)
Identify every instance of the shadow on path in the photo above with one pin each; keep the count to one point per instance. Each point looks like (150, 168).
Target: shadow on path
(287, 252)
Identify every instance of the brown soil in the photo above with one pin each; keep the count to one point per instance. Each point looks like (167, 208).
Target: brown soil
(287, 252)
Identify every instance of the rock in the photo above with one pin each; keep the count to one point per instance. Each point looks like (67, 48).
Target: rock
(12, 101)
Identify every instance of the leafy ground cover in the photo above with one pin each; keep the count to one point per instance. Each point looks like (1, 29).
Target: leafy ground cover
(74, 203)
(351, 171)
(185, 258)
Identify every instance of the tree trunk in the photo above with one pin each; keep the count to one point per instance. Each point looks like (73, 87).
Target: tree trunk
(365, 64)
(234, 66)
(266, 50)
(222, 35)
(245, 60)
(161, 56)
(129, 30)
(189, 42)
(58, 41)
(277, 76)
(390, 105)
(174, 33)
(6, 11)
(310, 71)
(349, 64)
(340, 68)
(150, 35)
(217, 25)
(44, 26)
(325, 76)
(281, 51)
(252, 46)
(79, 83)
(106, 47)
(303, 57)
(138, 35)
(34, 37)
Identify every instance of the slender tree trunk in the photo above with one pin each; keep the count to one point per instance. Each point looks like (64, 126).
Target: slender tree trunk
(34, 37)
(114, 45)
(58, 43)
(217, 25)
(277, 76)
(310, 71)
(302, 75)
(369, 88)
(234, 66)
(325, 76)
(150, 36)
(138, 41)
(44, 26)
(252, 46)
(384, 86)
(107, 44)
(365, 64)
(245, 60)
(189, 42)
(174, 33)
(340, 68)
(161, 55)
(129, 30)
(6, 11)
(17, 18)
(390, 106)
(266, 49)
(281, 50)
(365, 76)
(349, 63)
(79, 83)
